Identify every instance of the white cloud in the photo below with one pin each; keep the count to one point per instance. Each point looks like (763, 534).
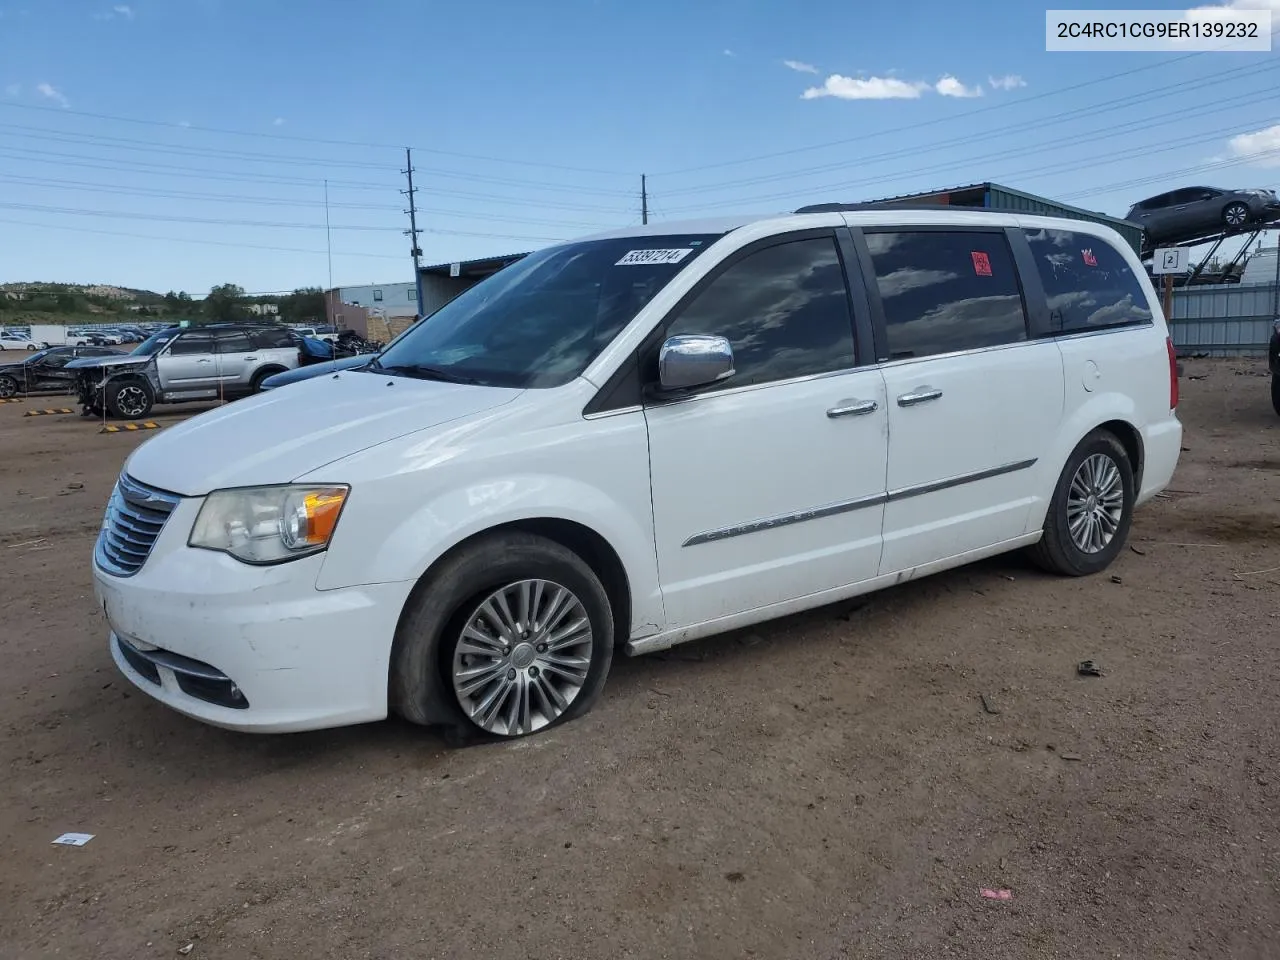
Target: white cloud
(1211, 11)
(13, 91)
(1010, 81)
(949, 86)
(50, 92)
(123, 10)
(184, 123)
(729, 53)
(278, 122)
(1261, 146)
(865, 88)
(799, 66)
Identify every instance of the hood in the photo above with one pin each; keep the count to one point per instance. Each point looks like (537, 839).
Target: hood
(119, 360)
(278, 436)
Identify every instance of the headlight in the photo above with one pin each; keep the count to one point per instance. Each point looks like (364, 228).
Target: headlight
(269, 524)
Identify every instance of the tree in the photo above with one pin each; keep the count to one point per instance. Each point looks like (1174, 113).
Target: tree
(304, 305)
(66, 303)
(225, 303)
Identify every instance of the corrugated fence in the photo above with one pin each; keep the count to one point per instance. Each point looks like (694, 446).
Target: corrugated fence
(1227, 320)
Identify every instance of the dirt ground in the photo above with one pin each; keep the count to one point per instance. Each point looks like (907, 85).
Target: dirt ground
(828, 786)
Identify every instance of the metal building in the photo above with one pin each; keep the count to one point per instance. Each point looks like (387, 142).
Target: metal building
(995, 196)
(442, 282)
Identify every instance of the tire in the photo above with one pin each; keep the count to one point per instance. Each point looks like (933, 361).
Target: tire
(8, 387)
(429, 661)
(31, 348)
(1059, 551)
(255, 385)
(129, 398)
(1275, 392)
(1235, 215)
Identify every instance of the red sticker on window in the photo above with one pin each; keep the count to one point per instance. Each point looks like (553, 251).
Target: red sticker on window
(1089, 259)
(981, 263)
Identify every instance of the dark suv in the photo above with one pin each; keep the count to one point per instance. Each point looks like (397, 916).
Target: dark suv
(1273, 358)
(46, 370)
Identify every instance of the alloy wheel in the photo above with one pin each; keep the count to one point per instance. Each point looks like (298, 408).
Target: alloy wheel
(1236, 215)
(1095, 503)
(522, 658)
(131, 401)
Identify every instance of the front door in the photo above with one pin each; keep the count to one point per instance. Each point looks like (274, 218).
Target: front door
(188, 364)
(769, 486)
(973, 402)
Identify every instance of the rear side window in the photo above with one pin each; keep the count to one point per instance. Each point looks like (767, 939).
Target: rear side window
(270, 339)
(946, 291)
(784, 310)
(1087, 282)
(234, 343)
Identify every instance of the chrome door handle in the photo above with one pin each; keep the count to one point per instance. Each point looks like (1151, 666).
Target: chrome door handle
(853, 408)
(250, 359)
(204, 360)
(918, 395)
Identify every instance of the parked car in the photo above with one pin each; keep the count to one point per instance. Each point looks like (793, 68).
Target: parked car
(181, 364)
(45, 370)
(634, 440)
(1273, 360)
(10, 340)
(1194, 212)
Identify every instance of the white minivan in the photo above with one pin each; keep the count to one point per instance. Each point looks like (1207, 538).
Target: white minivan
(633, 440)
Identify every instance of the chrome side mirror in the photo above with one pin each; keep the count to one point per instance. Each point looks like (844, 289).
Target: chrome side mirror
(694, 360)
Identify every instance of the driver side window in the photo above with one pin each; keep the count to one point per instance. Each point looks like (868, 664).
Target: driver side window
(784, 309)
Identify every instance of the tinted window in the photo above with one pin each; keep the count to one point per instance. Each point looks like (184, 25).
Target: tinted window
(57, 360)
(234, 343)
(784, 309)
(192, 343)
(944, 292)
(1087, 282)
(269, 339)
(540, 321)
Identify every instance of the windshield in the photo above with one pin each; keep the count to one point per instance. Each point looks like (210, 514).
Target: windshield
(153, 344)
(38, 355)
(542, 320)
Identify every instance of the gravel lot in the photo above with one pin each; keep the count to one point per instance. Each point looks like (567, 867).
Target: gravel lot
(827, 786)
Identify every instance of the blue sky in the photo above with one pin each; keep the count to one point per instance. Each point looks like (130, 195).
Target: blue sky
(183, 143)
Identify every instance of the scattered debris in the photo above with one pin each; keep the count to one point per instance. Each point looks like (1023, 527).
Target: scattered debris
(735, 876)
(187, 949)
(1116, 579)
(1141, 553)
(1004, 864)
(751, 640)
(997, 894)
(75, 486)
(1071, 756)
(853, 609)
(659, 692)
(26, 543)
(1255, 573)
(988, 704)
(74, 839)
(1203, 376)
(1089, 668)
(1006, 576)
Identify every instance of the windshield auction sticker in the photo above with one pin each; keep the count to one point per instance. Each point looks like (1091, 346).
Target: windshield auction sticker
(1222, 29)
(637, 257)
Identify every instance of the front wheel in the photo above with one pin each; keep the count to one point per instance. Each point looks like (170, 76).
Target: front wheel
(8, 387)
(511, 636)
(1235, 215)
(31, 348)
(129, 398)
(1275, 391)
(1091, 509)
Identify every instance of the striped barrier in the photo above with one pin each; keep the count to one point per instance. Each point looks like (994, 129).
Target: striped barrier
(12, 400)
(128, 427)
(47, 413)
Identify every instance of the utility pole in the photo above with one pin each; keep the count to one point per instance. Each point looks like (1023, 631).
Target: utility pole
(330, 306)
(413, 230)
(644, 199)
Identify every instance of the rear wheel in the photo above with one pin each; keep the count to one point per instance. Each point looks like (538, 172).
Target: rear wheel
(511, 636)
(255, 385)
(129, 398)
(1235, 215)
(8, 387)
(1091, 510)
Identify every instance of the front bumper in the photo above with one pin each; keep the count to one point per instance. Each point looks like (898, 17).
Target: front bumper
(257, 649)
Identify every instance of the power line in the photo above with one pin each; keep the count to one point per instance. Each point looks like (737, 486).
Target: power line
(60, 111)
(209, 221)
(1091, 110)
(964, 115)
(1157, 177)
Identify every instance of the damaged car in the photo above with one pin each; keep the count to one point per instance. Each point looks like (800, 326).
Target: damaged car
(183, 364)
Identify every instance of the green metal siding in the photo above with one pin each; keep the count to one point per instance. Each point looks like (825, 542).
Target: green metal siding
(999, 197)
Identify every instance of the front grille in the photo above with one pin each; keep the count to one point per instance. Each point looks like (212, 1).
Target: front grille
(135, 516)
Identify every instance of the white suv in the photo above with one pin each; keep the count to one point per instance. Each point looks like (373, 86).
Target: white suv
(635, 440)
